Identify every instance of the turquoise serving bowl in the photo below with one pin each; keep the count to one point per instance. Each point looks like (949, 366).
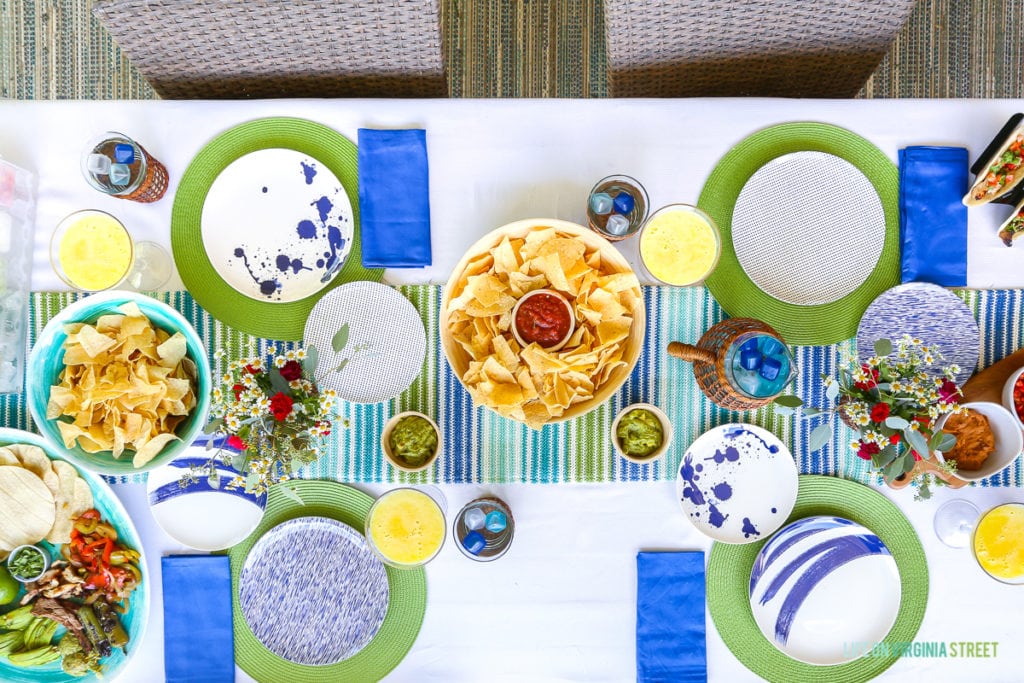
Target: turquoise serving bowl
(46, 362)
(137, 616)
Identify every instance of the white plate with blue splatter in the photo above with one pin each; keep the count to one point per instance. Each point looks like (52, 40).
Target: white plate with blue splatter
(312, 591)
(198, 514)
(737, 483)
(824, 589)
(277, 225)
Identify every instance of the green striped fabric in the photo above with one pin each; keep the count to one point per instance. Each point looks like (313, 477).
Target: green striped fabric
(482, 447)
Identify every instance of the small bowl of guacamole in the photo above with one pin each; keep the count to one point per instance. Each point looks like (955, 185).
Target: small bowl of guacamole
(641, 433)
(411, 441)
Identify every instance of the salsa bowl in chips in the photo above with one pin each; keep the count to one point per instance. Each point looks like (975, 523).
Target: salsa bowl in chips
(531, 383)
(120, 382)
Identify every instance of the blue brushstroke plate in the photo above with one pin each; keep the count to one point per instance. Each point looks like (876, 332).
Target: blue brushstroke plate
(824, 590)
(312, 591)
(737, 483)
(277, 225)
(197, 514)
(134, 621)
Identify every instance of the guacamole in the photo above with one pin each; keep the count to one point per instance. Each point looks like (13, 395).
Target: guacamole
(639, 433)
(413, 441)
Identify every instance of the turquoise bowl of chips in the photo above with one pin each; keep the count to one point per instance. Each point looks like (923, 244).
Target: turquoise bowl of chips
(136, 374)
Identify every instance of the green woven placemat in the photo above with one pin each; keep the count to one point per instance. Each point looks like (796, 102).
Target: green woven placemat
(736, 292)
(407, 599)
(728, 577)
(267, 319)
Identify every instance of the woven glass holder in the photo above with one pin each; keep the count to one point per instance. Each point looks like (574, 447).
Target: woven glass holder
(708, 358)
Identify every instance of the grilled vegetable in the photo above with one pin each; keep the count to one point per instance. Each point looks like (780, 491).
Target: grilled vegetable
(35, 657)
(18, 619)
(9, 642)
(110, 624)
(94, 631)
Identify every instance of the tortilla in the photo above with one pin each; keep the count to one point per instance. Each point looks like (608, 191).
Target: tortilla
(1001, 173)
(27, 512)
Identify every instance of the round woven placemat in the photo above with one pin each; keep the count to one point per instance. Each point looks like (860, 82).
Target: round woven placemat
(407, 600)
(819, 324)
(283, 321)
(728, 584)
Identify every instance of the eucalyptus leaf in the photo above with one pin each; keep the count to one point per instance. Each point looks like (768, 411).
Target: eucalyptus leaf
(820, 436)
(883, 347)
(310, 361)
(917, 442)
(908, 462)
(832, 391)
(784, 410)
(214, 426)
(896, 422)
(342, 364)
(291, 493)
(893, 469)
(947, 442)
(251, 480)
(238, 461)
(883, 386)
(297, 465)
(213, 480)
(789, 401)
(340, 338)
(209, 445)
(883, 457)
(278, 382)
(811, 412)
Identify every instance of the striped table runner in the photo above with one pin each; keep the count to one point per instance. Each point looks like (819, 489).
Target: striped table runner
(481, 447)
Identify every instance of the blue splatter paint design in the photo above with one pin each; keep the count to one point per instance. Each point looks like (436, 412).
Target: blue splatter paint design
(749, 529)
(306, 229)
(722, 491)
(309, 171)
(697, 497)
(323, 207)
(734, 433)
(267, 287)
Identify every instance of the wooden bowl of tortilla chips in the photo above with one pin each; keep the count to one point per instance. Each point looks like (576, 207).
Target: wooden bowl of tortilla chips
(532, 384)
(119, 382)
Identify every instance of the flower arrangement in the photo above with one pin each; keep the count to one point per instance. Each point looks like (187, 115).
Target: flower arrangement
(894, 402)
(272, 417)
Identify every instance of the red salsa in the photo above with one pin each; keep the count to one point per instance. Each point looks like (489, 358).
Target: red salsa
(543, 318)
(1018, 397)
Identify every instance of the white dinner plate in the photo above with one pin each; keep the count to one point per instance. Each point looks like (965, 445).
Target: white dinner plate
(312, 591)
(275, 224)
(825, 589)
(198, 515)
(737, 483)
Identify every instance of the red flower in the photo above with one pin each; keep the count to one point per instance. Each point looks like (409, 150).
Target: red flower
(872, 373)
(238, 389)
(916, 455)
(251, 370)
(867, 449)
(236, 443)
(291, 371)
(281, 405)
(949, 392)
(894, 439)
(879, 412)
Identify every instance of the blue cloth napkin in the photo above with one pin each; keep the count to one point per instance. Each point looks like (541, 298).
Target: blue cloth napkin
(933, 219)
(394, 198)
(199, 645)
(670, 594)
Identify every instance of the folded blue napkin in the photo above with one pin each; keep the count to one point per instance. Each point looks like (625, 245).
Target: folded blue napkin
(670, 592)
(933, 219)
(199, 645)
(394, 198)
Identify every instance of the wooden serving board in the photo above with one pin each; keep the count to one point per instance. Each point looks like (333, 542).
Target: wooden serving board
(988, 384)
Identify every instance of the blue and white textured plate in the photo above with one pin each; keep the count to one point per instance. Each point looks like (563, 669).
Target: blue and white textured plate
(312, 591)
(824, 590)
(932, 313)
(199, 515)
(277, 225)
(737, 483)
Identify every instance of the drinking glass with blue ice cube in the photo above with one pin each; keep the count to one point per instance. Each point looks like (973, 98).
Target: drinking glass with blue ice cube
(759, 365)
(617, 207)
(484, 529)
(118, 166)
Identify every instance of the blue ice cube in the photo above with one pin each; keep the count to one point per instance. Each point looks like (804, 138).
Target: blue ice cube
(747, 381)
(770, 346)
(120, 174)
(617, 225)
(474, 519)
(124, 154)
(601, 203)
(770, 368)
(624, 202)
(98, 164)
(750, 359)
(750, 344)
(496, 521)
(474, 542)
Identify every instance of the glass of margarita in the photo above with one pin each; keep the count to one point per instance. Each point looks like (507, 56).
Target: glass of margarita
(679, 245)
(998, 542)
(91, 251)
(405, 528)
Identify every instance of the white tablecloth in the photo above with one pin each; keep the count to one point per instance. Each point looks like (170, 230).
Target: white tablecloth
(561, 605)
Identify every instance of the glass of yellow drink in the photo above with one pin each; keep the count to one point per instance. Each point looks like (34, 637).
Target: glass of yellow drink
(91, 251)
(998, 542)
(679, 245)
(405, 528)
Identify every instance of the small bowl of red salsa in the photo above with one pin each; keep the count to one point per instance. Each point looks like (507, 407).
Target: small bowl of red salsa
(1013, 395)
(545, 317)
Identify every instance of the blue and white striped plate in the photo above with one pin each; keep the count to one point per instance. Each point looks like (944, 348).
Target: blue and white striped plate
(197, 514)
(312, 591)
(824, 590)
